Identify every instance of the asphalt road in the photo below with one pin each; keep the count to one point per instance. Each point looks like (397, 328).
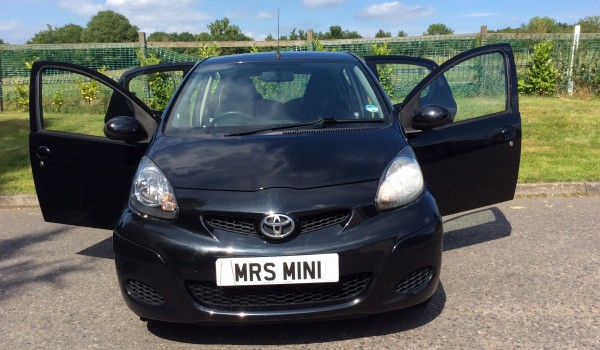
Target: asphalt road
(523, 274)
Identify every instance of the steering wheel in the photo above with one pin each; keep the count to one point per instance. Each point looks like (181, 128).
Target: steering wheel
(233, 118)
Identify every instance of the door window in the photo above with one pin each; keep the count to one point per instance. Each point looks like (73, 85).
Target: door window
(478, 87)
(73, 103)
(398, 79)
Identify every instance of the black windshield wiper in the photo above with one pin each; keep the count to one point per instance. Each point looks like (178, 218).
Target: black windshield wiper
(318, 123)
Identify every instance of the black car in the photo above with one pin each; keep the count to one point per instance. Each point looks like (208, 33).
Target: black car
(276, 187)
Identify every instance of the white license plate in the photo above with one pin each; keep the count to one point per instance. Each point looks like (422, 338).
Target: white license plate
(316, 268)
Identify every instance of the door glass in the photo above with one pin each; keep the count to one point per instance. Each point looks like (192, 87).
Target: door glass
(473, 88)
(156, 89)
(73, 103)
(398, 79)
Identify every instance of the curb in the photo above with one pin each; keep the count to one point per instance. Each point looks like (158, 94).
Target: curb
(555, 189)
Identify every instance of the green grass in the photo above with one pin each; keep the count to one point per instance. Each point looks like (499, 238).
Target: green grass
(561, 142)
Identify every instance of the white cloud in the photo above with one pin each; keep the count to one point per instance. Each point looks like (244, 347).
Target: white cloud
(148, 15)
(321, 3)
(265, 15)
(394, 12)
(13, 32)
(83, 8)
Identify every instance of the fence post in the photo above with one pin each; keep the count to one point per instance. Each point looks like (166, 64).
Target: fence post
(574, 45)
(483, 36)
(309, 39)
(142, 41)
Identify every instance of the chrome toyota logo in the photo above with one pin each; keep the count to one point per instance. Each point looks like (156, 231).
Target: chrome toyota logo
(277, 226)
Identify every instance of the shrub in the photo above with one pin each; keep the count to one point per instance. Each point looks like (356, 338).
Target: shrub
(541, 77)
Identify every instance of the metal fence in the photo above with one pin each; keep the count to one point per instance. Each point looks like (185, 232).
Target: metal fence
(116, 58)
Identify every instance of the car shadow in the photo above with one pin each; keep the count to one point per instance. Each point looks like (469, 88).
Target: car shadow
(474, 228)
(101, 250)
(304, 333)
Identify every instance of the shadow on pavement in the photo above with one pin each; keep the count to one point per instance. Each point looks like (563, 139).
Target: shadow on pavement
(304, 333)
(101, 250)
(474, 228)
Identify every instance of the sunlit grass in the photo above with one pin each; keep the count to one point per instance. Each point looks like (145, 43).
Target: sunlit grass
(561, 142)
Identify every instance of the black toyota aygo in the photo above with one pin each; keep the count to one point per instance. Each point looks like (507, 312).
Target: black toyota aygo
(276, 186)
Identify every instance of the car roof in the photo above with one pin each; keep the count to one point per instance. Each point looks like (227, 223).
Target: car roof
(283, 55)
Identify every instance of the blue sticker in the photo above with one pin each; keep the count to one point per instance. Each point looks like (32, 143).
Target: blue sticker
(372, 108)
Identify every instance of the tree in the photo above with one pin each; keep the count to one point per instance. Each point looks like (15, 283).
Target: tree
(401, 34)
(590, 24)
(109, 27)
(381, 34)
(540, 78)
(336, 32)
(68, 34)
(222, 30)
(545, 25)
(2, 42)
(438, 29)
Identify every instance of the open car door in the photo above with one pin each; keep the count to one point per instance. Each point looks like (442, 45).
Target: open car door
(463, 123)
(155, 84)
(81, 176)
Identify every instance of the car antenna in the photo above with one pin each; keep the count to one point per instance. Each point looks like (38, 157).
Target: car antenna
(278, 54)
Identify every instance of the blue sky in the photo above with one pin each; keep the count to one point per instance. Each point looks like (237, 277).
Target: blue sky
(21, 19)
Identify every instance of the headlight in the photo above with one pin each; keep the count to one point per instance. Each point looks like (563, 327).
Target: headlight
(401, 183)
(151, 193)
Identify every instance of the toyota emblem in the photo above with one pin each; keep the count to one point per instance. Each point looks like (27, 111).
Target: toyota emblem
(277, 226)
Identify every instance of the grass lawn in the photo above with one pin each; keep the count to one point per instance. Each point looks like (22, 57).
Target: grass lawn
(561, 142)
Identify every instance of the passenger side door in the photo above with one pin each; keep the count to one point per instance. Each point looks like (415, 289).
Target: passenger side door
(472, 158)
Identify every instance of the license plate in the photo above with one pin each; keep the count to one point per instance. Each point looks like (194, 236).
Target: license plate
(318, 268)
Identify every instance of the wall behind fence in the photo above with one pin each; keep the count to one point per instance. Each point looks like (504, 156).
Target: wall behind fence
(119, 57)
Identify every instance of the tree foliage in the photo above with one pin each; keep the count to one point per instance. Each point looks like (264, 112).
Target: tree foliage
(438, 29)
(223, 30)
(109, 26)
(336, 32)
(67, 34)
(541, 75)
(2, 42)
(402, 34)
(590, 24)
(381, 34)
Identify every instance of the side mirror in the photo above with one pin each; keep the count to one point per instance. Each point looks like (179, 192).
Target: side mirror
(124, 129)
(431, 116)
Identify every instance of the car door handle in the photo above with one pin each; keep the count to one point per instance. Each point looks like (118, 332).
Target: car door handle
(42, 152)
(508, 133)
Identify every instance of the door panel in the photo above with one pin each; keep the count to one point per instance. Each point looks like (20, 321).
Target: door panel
(81, 176)
(473, 161)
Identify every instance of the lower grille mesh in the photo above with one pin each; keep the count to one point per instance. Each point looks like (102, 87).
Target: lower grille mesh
(416, 281)
(143, 293)
(209, 294)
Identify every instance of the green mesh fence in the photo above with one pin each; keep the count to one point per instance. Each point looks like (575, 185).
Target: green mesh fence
(117, 58)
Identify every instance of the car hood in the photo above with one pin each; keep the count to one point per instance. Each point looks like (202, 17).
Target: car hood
(296, 160)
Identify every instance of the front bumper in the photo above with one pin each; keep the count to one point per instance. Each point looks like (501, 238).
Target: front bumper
(387, 261)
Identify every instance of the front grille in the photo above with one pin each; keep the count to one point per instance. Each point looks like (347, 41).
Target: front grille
(144, 293)
(319, 221)
(308, 223)
(231, 224)
(416, 281)
(209, 294)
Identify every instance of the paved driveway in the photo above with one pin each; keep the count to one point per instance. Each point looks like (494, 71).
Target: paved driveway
(522, 274)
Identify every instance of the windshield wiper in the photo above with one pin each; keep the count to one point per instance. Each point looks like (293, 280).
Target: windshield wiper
(318, 123)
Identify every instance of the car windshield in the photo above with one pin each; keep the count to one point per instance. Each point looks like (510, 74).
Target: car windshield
(239, 98)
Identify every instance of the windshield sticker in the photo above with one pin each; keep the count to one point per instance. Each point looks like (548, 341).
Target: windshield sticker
(372, 108)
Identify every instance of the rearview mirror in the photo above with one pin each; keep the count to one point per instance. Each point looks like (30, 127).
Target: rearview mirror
(124, 129)
(431, 116)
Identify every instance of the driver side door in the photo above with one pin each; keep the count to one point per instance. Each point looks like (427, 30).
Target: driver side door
(81, 176)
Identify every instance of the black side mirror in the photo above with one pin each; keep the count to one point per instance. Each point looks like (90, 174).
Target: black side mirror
(431, 116)
(124, 129)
